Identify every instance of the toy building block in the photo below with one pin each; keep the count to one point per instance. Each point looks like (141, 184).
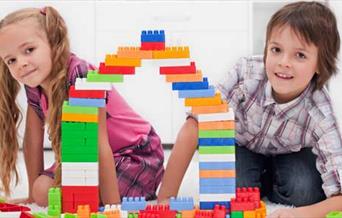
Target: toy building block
(217, 173)
(94, 76)
(82, 84)
(134, 52)
(192, 77)
(152, 36)
(216, 125)
(216, 149)
(91, 118)
(68, 109)
(86, 93)
(97, 215)
(25, 214)
(4, 207)
(72, 196)
(10, 214)
(252, 193)
(216, 133)
(103, 69)
(208, 109)
(216, 165)
(83, 211)
(261, 211)
(197, 93)
(87, 102)
(188, 213)
(216, 189)
(133, 203)
(82, 174)
(54, 211)
(242, 204)
(191, 85)
(220, 211)
(216, 141)
(133, 215)
(40, 215)
(216, 157)
(70, 215)
(190, 69)
(236, 214)
(172, 52)
(204, 214)
(334, 214)
(54, 197)
(217, 116)
(215, 100)
(152, 46)
(162, 211)
(114, 60)
(181, 203)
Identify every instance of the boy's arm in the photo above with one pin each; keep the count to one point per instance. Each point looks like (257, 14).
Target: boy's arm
(33, 147)
(109, 188)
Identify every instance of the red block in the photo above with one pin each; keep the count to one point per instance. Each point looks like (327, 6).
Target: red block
(204, 214)
(178, 69)
(152, 46)
(103, 69)
(4, 207)
(252, 193)
(86, 93)
(220, 211)
(242, 204)
(26, 215)
(162, 211)
(72, 196)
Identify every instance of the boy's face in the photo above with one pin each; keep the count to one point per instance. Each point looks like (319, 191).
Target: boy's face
(290, 63)
(26, 52)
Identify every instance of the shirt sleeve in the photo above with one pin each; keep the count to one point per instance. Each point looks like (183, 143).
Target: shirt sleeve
(33, 99)
(329, 155)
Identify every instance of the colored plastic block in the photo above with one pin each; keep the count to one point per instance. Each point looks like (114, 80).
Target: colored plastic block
(204, 214)
(97, 215)
(41, 215)
(189, 69)
(242, 204)
(162, 211)
(216, 165)
(87, 102)
(191, 85)
(252, 193)
(68, 109)
(236, 214)
(85, 128)
(192, 77)
(197, 93)
(205, 101)
(181, 203)
(334, 214)
(86, 118)
(26, 215)
(216, 125)
(152, 46)
(73, 93)
(134, 52)
(83, 211)
(209, 205)
(172, 52)
(216, 197)
(261, 211)
(82, 84)
(216, 133)
(216, 149)
(94, 76)
(217, 173)
(216, 141)
(4, 207)
(54, 196)
(216, 157)
(103, 69)
(114, 60)
(210, 109)
(133, 203)
(70, 215)
(215, 189)
(80, 195)
(54, 210)
(249, 214)
(220, 211)
(152, 36)
(227, 116)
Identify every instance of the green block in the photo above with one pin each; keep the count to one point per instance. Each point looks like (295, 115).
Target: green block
(216, 149)
(94, 76)
(70, 215)
(236, 214)
(40, 215)
(178, 215)
(79, 149)
(80, 158)
(96, 215)
(79, 126)
(54, 210)
(85, 141)
(216, 133)
(132, 215)
(334, 214)
(54, 197)
(78, 109)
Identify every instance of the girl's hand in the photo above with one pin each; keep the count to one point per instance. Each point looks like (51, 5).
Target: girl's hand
(285, 213)
(20, 201)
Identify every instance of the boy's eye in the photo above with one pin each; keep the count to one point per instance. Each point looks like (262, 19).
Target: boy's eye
(10, 61)
(301, 55)
(29, 50)
(275, 49)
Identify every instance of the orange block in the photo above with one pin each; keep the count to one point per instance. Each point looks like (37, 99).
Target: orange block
(88, 118)
(193, 77)
(216, 125)
(114, 60)
(112, 213)
(215, 100)
(261, 211)
(210, 109)
(83, 211)
(217, 173)
(134, 52)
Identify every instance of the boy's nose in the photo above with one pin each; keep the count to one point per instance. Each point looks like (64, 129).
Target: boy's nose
(285, 61)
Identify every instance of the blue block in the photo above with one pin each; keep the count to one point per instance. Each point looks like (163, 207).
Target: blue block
(217, 165)
(181, 203)
(197, 93)
(133, 203)
(217, 182)
(217, 189)
(152, 36)
(216, 141)
(204, 205)
(191, 85)
(87, 102)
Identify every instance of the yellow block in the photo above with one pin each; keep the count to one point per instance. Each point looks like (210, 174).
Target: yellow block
(261, 211)
(134, 52)
(210, 109)
(88, 118)
(215, 100)
(114, 60)
(191, 77)
(216, 125)
(172, 52)
(217, 173)
(249, 214)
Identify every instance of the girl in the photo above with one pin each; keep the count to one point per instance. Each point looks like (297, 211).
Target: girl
(285, 125)
(34, 51)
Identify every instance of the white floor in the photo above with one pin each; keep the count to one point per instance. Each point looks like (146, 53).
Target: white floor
(188, 188)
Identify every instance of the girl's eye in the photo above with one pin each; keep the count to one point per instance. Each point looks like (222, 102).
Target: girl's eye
(29, 50)
(10, 61)
(301, 55)
(275, 49)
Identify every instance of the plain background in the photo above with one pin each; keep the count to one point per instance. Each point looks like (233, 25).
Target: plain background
(218, 33)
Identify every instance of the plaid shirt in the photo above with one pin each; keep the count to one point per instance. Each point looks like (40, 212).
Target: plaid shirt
(266, 127)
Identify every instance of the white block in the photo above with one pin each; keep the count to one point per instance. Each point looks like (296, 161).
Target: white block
(82, 84)
(216, 197)
(10, 214)
(86, 174)
(216, 157)
(216, 116)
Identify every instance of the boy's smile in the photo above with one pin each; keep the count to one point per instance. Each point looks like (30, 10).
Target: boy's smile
(291, 63)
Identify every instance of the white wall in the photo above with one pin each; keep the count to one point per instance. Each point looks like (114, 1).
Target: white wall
(218, 32)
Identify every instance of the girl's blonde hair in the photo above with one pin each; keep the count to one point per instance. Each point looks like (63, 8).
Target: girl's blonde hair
(50, 22)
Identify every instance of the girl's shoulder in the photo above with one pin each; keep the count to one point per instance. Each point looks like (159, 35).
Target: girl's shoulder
(77, 68)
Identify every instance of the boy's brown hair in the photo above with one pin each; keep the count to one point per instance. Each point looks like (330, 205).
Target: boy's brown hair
(316, 24)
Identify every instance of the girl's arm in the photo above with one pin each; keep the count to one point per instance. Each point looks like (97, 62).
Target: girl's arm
(109, 188)
(320, 209)
(33, 147)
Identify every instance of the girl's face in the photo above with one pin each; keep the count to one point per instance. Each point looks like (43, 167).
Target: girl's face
(290, 63)
(26, 51)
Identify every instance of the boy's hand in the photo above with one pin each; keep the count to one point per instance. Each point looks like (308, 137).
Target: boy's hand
(285, 213)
